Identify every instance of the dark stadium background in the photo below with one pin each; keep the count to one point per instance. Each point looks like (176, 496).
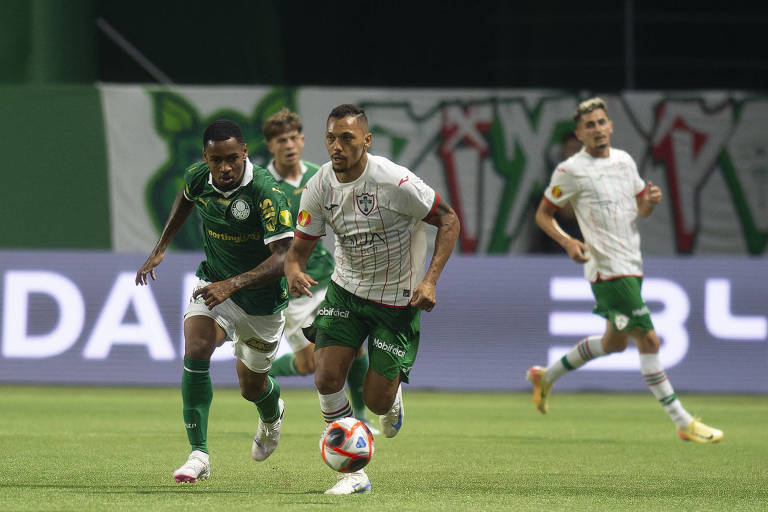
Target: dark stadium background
(603, 45)
(455, 43)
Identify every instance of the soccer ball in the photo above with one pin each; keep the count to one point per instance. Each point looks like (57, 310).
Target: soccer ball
(346, 445)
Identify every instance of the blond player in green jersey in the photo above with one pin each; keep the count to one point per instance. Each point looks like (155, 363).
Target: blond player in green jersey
(607, 194)
(285, 142)
(240, 296)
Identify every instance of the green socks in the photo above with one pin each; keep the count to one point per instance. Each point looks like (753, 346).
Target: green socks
(284, 366)
(267, 402)
(355, 379)
(196, 394)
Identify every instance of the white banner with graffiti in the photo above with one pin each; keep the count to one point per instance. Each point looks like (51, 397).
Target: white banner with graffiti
(488, 152)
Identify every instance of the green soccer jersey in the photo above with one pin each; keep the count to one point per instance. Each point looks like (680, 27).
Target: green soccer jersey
(320, 263)
(237, 226)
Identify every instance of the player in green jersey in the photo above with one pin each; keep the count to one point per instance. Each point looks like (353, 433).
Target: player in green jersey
(247, 229)
(285, 142)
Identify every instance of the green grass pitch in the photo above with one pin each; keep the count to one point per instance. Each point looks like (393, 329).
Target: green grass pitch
(72, 448)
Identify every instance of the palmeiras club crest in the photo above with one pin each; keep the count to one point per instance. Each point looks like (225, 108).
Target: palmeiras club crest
(366, 202)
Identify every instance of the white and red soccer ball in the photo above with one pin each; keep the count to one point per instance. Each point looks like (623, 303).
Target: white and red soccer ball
(346, 445)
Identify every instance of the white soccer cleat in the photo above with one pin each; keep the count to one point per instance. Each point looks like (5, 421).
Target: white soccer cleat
(267, 436)
(196, 468)
(392, 421)
(351, 483)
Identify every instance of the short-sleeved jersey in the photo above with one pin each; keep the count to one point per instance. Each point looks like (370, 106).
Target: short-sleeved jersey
(380, 240)
(603, 193)
(237, 226)
(320, 264)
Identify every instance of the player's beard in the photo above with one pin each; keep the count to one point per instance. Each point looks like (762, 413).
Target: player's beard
(338, 170)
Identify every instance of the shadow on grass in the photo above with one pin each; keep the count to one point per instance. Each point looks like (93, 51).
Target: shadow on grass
(125, 489)
(145, 489)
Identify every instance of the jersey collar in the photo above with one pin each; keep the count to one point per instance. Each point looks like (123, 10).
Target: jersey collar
(357, 180)
(276, 175)
(247, 178)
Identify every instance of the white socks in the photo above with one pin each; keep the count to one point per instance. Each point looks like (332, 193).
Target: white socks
(650, 366)
(657, 381)
(335, 405)
(585, 350)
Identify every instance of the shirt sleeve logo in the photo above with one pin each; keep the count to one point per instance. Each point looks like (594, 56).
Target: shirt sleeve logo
(268, 212)
(285, 218)
(557, 191)
(304, 218)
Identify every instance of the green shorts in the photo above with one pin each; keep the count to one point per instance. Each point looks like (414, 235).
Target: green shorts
(344, 319)
(619, 301)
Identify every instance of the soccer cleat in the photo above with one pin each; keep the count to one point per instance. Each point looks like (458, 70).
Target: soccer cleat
(196, 468)
(541, 387)
(267, 436)
(392, 421)
(351, 483)
(698, 432)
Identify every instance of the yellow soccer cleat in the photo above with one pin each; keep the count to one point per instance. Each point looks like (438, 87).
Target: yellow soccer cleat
(698, 432)
(541, 387)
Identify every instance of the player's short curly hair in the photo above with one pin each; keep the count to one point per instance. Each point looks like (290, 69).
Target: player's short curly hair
(222, 129)
(284, 120)
(345, 110)
(587, 106)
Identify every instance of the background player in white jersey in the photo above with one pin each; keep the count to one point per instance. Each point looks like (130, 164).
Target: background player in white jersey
(285, 142)
(377, 211)
(607, 194)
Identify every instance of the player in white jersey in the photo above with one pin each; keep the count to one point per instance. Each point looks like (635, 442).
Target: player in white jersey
(377, 210)
(607, 194)
(285, 142)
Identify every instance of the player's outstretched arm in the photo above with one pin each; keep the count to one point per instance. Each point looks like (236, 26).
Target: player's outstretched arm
(448, 227)
(264, 273)
(545, 219)
(647, 201)
(299, 282)
(180, 211)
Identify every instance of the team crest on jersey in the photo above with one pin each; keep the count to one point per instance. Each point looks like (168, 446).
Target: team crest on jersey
(557, 191)
(366, 202)
(240, 209)
(304, 218)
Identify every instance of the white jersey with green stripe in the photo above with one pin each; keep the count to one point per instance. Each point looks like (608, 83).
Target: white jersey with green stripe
(380, 240)
(603, 193)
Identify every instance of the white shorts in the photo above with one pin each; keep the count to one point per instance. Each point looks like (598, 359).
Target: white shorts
(255, 338)
(301, 312)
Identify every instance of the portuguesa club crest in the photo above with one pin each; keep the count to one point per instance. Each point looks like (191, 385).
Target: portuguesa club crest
(366, 202)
